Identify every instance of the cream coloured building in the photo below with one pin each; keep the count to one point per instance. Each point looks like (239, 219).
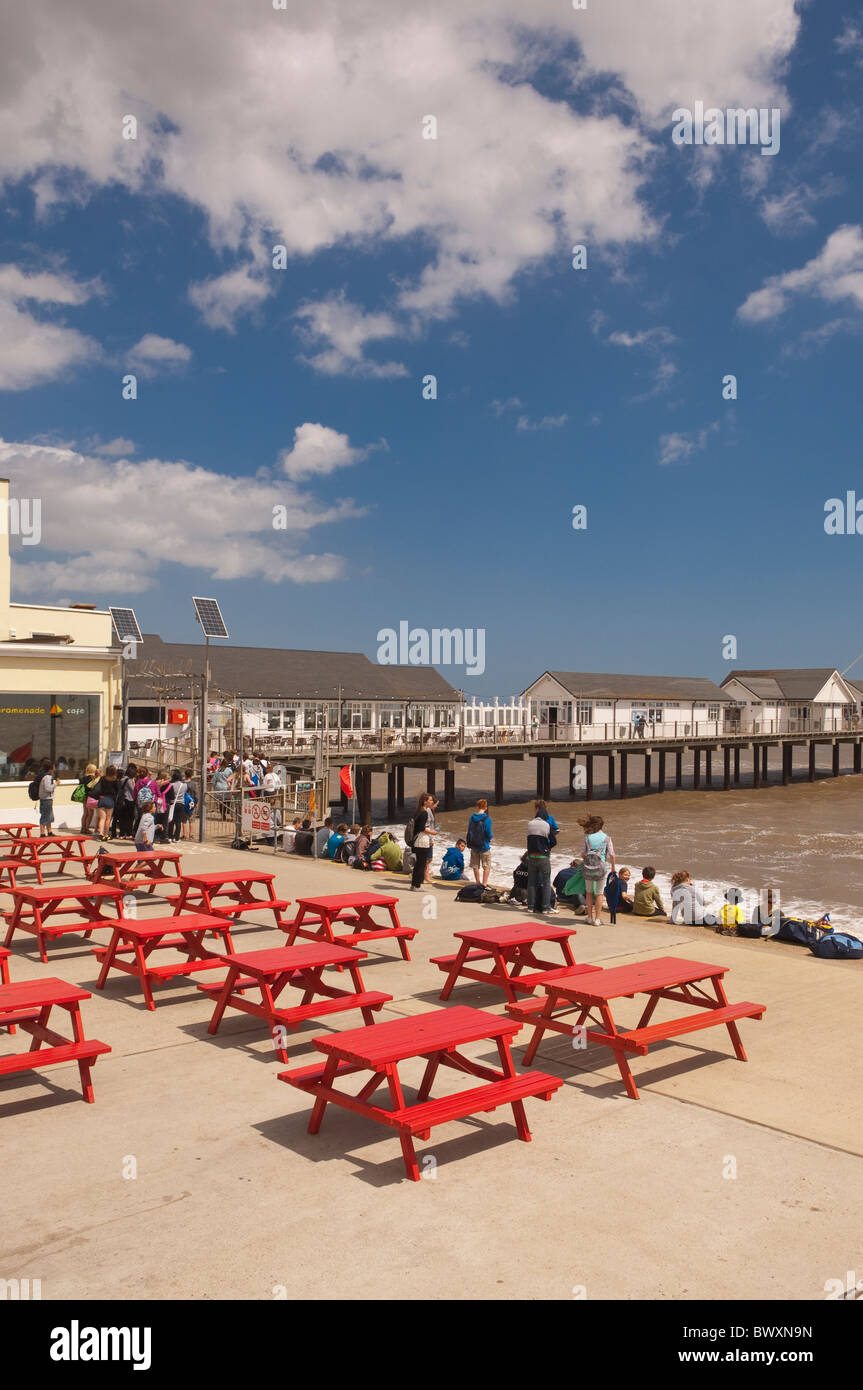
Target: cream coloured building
(56, 659)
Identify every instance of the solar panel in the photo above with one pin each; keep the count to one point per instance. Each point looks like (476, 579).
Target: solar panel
(209, 615)
(125, 624)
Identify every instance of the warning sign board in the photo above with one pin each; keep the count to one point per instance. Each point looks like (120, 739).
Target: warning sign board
(257, 816)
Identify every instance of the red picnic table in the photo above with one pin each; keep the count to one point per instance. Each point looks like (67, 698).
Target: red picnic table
(11, 868)
(18, 830)
(665, 977)
(435, 1037)
(228, 892)
(28, 1005)
(315, 918)
(43, 850)
(5, 953)
(183, 935)
(301, 967)
(34, 905)
(136, 868)
(510, 949)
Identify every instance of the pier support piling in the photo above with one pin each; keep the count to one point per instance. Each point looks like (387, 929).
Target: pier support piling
(836, 747)
(696, 768)
(764, 756)
(611, 770)
(572, 766)
(647, 772)
(391, 794)
(498, 781)
(726, 768)
(756, 765)
(623, 787)
(539, 774)
(449, 789)
(858, 749)
(812, 747)
(400, 787)
(546, 778)
(708, 765)
(588, 792)
(737, 767)
(678, 771)
(430, 780)
(787, 755)
(660, 781)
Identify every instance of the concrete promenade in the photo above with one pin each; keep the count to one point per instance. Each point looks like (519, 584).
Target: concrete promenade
(621, 1199)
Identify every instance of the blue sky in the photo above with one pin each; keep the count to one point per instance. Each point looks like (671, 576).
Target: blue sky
(407, 257)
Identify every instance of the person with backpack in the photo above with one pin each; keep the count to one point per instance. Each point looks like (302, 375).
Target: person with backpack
(539, 866)
(479, 837)
(190, 801)
(44, 785)
(422, 840)
(123, 827)
(89, 781)
(452, 864)
(598, 853)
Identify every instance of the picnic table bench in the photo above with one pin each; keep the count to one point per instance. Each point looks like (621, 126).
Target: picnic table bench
(139, 868)
(510, 950)
(229, 892)
(316, 916)
(10, 869)
(28, 1005)
(664, 977)
(436, 1038)
(34, 905)
(139, 939)
(44, 850)
(268, 972)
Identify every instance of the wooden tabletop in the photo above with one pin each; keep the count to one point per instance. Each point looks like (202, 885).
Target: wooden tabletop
(31, 994)
(660, 973)
(413, 1037)
(348, 900)
(516, 933)
(126, 856)
(36, 893)
(277, 959)
(61, 838)
(161, 926)
(220, 876)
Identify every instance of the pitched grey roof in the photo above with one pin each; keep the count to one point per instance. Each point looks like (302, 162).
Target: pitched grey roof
(272, 673)
(856, 687)
(588, 684)
(803, 684)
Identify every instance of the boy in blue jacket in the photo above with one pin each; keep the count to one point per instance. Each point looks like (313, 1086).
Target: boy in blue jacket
(452, 865)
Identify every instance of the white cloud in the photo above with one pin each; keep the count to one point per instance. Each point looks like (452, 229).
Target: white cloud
(788, 213)
(648, 337)
(303, 127)
(547, 422)
(111, 448)
(511, 403)
(222, 300)
(318, 450)
(343, 329)
(836, 273)
(153, 354)
(851, 41)
(33, 349)
(676, 446)
(157, 513)
(653, 340)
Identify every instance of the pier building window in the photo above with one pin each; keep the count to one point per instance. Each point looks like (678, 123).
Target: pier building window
(584, 711)
(713, 712)
(30, 732)
(391, 717)
(654, 714)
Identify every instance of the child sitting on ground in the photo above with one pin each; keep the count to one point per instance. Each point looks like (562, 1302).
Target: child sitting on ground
(731, 915)
(646, 900)
(452, 864)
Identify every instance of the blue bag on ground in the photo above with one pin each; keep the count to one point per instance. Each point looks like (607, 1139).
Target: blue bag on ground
(838, 946)
(801, 932)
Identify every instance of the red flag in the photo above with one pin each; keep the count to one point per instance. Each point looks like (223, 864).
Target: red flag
(22, 754)
(345, 782)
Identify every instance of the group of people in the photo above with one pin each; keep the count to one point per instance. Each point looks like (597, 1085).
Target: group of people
(252, 775)
(136, 804)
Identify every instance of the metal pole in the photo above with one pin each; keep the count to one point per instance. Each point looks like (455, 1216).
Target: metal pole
(205, 750)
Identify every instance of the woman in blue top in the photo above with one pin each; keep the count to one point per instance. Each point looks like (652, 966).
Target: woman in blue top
(598, 854)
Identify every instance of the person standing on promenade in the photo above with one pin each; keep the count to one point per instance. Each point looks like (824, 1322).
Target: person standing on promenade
(598, 854)
(538, 865)
(479, 837)
(423, 840)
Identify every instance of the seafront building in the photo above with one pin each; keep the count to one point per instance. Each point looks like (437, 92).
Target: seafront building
(797, 701)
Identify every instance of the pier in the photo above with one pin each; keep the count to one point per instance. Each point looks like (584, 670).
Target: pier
(651, 764)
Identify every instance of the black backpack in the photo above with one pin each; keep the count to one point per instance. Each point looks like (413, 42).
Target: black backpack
(476, 833)
(471, 893)
(33, 789)
(409, 832)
